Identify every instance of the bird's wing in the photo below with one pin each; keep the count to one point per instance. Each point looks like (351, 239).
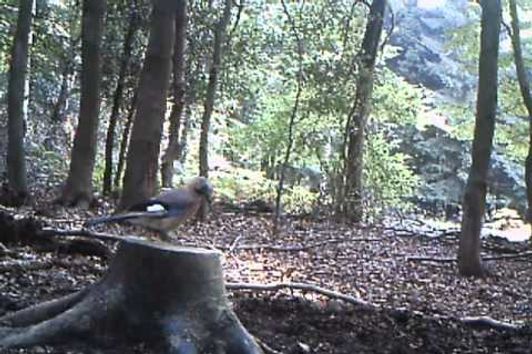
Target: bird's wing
(172, 203)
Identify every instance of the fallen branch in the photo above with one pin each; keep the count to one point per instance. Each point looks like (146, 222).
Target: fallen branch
(481, 322)
(47, 232)
(509, 256)
(281, 248)
(305, 287)
(266, 348)
(484, 322)
(450, 260)
(25, 265)
(430, 259)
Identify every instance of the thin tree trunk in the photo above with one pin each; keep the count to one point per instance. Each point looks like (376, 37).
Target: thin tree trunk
(140, 178)
(172, 151)
(469, 262)
(183, 143)
(353, 208)
(125, 140)
(524, 87)
(59, 106)
(292, 122)
(133, 25)
(78, 188)
(219, 39)
(16, 157)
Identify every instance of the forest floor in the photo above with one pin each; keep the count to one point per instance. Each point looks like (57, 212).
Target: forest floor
(420, 303)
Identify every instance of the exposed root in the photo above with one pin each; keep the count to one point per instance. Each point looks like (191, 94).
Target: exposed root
(42, 312)
(171, 298)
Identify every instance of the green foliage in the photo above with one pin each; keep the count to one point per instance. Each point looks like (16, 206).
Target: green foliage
(388, 179)
(242, 185)
(299, 200)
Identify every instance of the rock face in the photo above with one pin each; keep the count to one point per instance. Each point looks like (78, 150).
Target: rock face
(443, 163)
(421, 34)
(421, 37)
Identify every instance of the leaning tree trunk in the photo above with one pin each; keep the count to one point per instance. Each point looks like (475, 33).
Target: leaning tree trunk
(172, 151)
(524, 86)
(469, 262)
(183, 309)
(353, 207)
(78, 187)
(140, 178)
(16, 157)
(133, 25)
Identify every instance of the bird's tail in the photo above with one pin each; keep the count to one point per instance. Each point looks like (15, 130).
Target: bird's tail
(111, 219)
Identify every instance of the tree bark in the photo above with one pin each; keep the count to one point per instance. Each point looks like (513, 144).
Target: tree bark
(292, 121)
(353, 207)
(172, 151)
(60, 105)
(524, 87)
(469, 262)
(140, 179)
(124, 141)
(16, 157)
(219, 39)
(183, 309)
(133, 25)
(78, 187)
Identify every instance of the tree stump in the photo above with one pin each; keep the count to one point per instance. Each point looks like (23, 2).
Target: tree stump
(171, 298)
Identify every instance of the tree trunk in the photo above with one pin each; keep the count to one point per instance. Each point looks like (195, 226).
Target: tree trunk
(16, 157)
(118, 97)
(219, 39)
(140, 178)
(469, 262)
(78, 188)
(353, 207)
(292, 121)
(524, 87)
(183, 309)
(172, 151)
(124, 142)
(59, 107)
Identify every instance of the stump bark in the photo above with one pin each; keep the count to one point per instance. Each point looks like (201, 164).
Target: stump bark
(171, 298)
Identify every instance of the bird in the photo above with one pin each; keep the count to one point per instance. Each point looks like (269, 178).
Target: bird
(166, 211)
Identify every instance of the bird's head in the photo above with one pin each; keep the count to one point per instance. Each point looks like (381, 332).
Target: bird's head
(203, 187)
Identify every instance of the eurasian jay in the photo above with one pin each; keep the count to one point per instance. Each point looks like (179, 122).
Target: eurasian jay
(166, 211)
